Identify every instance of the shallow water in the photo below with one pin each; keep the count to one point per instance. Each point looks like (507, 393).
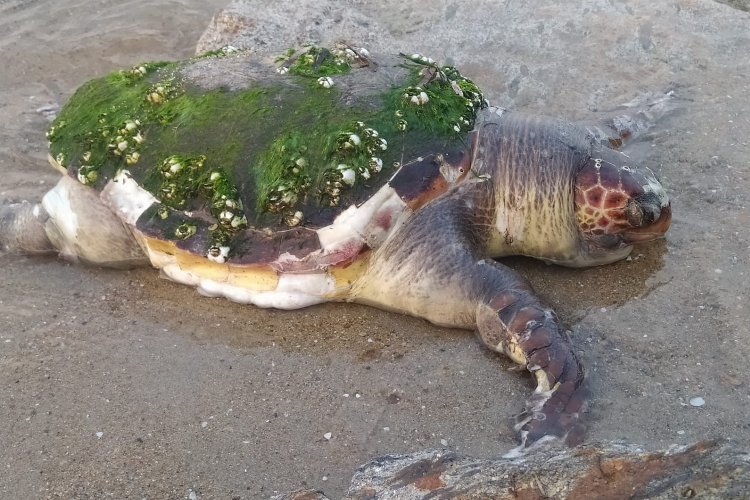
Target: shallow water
(226, 400)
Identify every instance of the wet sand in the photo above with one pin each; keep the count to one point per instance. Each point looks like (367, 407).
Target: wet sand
(124, 384)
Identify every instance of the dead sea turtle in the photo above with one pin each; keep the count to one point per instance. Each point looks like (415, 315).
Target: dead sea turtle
(331, 176)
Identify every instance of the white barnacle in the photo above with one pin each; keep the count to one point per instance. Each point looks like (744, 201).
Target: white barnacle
(282, 70)
(238, 221)
(218, 254)
(401, 125)
(383, 144)
(363, 52)
(376, 164)
(326, 82)
(86, 156)
(295, 219)
(215, 176)
(132, 158)
(86, 175)
(457, 127)
(226, 216)
(138, 138)
(130, 125)
(348, 175)
(399, 113)
(354, 139)
(175, 167)
(371, 132)
(122, 145)
(414, 100)
(365, 173)
(301, 162)
(423, 98)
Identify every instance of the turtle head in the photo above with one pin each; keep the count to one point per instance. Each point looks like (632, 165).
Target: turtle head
(617, 205)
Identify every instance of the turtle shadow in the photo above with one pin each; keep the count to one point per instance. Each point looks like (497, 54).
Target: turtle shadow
(573, 292)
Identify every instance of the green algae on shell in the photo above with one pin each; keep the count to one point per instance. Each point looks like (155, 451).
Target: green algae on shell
(236, 144)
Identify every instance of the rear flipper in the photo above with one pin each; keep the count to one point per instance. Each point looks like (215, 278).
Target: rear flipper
(22, 229)
(512, 320)
(71, 221)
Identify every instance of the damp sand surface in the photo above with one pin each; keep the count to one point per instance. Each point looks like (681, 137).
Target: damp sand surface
(124, 384)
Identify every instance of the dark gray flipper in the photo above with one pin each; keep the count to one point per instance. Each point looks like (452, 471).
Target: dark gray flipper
(440, 252)
(513, 321)
(22, 229)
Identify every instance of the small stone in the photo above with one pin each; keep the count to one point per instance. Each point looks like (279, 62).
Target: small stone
(204, 424)
(328, 436)
(444, 442)
(99, 434)
(192, 495)
(697, 401)
(681, 433)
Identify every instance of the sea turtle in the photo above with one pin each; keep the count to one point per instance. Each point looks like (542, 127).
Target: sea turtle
(331, 175)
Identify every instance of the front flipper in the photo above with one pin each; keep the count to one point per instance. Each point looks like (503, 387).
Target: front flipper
(512, 320)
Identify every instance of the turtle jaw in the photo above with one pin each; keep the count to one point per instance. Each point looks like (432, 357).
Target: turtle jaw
(651, 232)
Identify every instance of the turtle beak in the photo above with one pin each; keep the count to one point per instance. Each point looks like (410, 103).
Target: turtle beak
(652, 231)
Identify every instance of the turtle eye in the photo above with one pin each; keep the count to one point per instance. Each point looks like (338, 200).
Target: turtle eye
(634, 213)
(643, 210)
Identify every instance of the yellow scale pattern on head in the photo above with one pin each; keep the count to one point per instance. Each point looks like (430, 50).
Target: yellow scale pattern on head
(593, 213)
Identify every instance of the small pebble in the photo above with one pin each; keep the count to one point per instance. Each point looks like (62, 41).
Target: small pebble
(99, 434)
(204, 424)
(192, 495)
(444, 442)
(328, 436)
(697, 401)
(681, 433)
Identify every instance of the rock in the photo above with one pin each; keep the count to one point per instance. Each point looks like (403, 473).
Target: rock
(594, 54)
(704, 470)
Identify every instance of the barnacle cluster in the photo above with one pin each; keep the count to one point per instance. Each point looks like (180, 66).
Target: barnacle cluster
(162, 90)
(221, 52)
(186, 178)
(139, 71)
(322, 63)
(444, 99)
(287, 164)
(356, 155)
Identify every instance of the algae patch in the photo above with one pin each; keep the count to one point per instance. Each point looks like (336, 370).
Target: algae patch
(283, 150)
